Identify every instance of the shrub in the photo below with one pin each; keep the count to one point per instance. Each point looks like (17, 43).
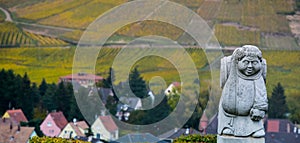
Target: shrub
(196, 139)
(53, 140)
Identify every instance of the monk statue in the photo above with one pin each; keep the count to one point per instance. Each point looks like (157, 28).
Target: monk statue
(244, 102)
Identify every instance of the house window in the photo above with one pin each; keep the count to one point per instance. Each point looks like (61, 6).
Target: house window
(49, 124)
(98, 136)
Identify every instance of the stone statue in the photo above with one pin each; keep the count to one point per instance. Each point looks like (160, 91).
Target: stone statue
(244, 97)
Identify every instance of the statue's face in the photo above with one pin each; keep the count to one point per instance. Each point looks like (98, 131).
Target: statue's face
(249, 65)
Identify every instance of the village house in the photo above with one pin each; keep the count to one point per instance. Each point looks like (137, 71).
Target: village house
(16, 115)
(84, 79)
(74, 129)
(134, 103)
(173, 88)
(14, 133)
(53, 124)
(105, 128)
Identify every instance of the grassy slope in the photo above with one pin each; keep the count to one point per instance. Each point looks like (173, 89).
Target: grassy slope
(283, 66)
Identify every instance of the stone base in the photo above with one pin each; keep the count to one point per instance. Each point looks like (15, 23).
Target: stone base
(232, 139)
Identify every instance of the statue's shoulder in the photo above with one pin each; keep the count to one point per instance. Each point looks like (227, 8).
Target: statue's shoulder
(225, 70)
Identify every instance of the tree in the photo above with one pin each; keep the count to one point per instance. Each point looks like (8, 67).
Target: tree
(277, 103)
(35, 94)
(49, 102)
(137, 84)
(26, 97)
(43, 87)
(74, 111)
(110, 79)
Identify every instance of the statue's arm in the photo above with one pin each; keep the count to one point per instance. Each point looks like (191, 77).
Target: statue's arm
(261, 99)
(260, 106)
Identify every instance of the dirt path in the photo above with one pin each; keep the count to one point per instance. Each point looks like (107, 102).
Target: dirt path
(7, 15)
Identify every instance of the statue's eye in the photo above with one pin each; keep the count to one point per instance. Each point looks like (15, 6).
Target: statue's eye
(255, 62)
(246, 62)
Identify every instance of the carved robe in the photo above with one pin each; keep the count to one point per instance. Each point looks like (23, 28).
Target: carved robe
(241, 94)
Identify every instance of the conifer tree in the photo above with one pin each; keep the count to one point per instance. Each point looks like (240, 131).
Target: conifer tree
(43, 87)
(277, 103)
(137, 84)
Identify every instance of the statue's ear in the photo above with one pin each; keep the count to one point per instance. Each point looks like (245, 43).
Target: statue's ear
(264, 68)
(225, 70)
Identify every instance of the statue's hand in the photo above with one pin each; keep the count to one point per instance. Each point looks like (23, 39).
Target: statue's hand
(256, 114)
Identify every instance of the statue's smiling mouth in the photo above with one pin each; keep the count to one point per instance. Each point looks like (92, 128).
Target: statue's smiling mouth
(249, 70)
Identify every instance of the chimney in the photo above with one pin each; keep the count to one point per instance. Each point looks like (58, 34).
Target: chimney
(75, 121)
(187, 131)
(102, 112)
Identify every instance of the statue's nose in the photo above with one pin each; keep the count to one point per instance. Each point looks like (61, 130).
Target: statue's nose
(249, 65)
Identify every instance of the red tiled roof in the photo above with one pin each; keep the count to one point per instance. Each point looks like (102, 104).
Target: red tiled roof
(79, 76)
(176, 84)
(59, 119)
(17, 115)
(21, 136)
(108, 123)
(82, 124)
(273, 126)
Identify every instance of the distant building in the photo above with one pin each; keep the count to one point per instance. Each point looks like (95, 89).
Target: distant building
(84, 79)
(15, 116)
(53, 124)
(11, 133)
(105, 128)
(281, 131)
(134, 103)
(74, 130)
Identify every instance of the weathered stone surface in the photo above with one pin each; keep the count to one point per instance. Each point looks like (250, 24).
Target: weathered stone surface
(231, 139)
(244, 97)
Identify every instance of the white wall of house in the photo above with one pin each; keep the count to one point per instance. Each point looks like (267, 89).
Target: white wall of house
(65, 133)
(99, 129)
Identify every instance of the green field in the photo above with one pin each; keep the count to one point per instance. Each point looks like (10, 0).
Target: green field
(54, 62)
(231, 35)
(279, 42)
(51, 63)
